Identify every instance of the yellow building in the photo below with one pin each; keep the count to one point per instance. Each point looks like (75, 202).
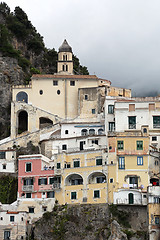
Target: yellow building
(80, 177)
(128, 167)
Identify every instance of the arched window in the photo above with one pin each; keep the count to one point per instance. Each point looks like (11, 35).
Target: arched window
(22, 97)
(91, 131)
(22, 122)
(63, 68)
(84, 132)
(66, 68)
(100, 131)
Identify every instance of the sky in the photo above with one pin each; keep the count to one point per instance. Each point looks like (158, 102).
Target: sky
(118, 40)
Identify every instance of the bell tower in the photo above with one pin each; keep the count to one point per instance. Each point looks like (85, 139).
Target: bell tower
(65, 62)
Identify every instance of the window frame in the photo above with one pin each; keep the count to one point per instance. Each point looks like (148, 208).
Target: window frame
(99, 161)
(110, 109)
(27, 163)
(139, 160)
(157, 220)
(42, 181)
(31, 209)
(76, 162)
(139, 144)
(131, 123)
(93, 111)
(121, 163)
(72, 83)
(64, 147)
(55, 82)
(111, 126)
(96, 194)
(156, 121)
(120, 145)
(73, 195)
(2, 155)
(58, 165)
(12, 218)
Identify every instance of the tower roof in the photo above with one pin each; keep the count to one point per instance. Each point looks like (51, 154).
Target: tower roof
(65, 47)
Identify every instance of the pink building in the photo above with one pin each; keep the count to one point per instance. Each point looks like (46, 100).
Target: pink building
(36, 177)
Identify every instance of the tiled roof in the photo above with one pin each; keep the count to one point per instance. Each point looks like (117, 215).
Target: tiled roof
(52, 76)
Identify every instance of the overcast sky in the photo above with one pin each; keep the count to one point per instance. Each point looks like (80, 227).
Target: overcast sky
(118, 40)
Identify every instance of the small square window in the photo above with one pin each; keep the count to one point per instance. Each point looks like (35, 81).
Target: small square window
(154, 138)
(66, 131)
(120, 145)
(73, 195)
(50, 194)
(110, 109)
(76, 163)
(64, 147)
(44, 209)
(72, 83)
(28, 167)
(58, 165)
(31, 209)
(139, 145)
(98, 161)
(11, 218)
(139, 160)
(2, 155)
(93, 111)
(55, 83)
(28, 195)
(96, 194)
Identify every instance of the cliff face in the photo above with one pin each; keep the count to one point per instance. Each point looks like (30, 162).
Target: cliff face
(22, 53)
(90, 222)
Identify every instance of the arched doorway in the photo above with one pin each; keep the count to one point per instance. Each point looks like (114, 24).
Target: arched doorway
(45, 122)
(22, 122)
(22, 97)
(131, 198)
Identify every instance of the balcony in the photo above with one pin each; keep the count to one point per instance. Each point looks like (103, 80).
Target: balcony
(133, 186)
(45, 188)
(132, 126)
(28, 188)
(56, 186)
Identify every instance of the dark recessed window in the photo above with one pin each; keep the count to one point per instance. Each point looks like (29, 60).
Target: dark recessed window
(31, 209)
(28, 167)
(66, 131)
(28, 195)
(86, 97)
(55, 83)
(4, 166)
(64, 147)
(41, 92)
(73, 195)
(93, 111)
(11, 218)
(58, 92)
(58, 165)
(72, 83)
(96, 194)
(154, 138)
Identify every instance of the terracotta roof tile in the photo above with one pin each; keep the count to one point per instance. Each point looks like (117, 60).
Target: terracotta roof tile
(64, 76)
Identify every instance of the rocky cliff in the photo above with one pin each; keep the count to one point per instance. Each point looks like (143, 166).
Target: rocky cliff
(90, 222)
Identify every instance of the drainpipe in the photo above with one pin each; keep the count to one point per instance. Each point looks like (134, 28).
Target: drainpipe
(65, 98)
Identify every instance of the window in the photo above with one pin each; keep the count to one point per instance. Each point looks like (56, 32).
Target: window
(133, 182)
(28, 167)
(111, 180)
(98, 161)
(121, 164)
(58, 92)
(31, 209)
(157, 220)
(95, 141)
(64, 147)
(72, 83)
(156, 163)
(28, 195)
(4, 166)
(139, 145)
(1, 218)
(50, 194)
(132, 122)
(28, 181)
(73, 195)
(154, 138)
(42, 181)
(96, 194)
(110, 109)
(91, 132)
(144, 130)
(64, 57)
(7, 235)
(76, 163)
(55, 83)
(156, 200)
(93, 111)
(66, 68)
(86, 97)
(139, 160)
(67, 165)
(120, 145)
(156, 121)
(84, 132)
(111, 126)
(66, 131)
(11, 218)
(41, 92)
(2, 155)
(44, 209)
(100, 131)
(58, 165)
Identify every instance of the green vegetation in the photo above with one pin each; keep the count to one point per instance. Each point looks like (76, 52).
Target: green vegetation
(8, 189)
(121, 216)
(78, 69)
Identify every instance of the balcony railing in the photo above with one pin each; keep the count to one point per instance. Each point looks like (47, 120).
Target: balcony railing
(132, 126)
(156, 125)
(77, 149)
(56, 186)
(28, 188)
(133, 186)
